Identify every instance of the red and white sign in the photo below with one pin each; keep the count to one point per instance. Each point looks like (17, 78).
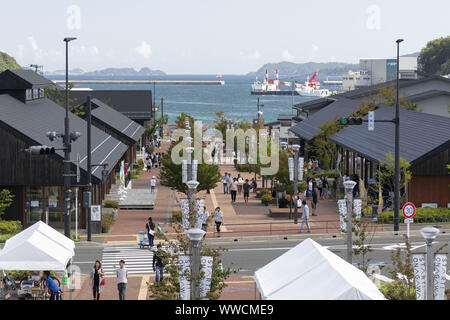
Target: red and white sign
(409, 210)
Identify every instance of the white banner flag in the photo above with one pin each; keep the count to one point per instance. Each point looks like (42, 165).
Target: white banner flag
(420, 273)
(440, 270)
(205, 283)
(300, 169)
(291, 168)
(199, 205)
(342, 214)
(185, 287)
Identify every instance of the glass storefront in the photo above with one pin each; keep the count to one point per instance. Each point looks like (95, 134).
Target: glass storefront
(34, 204)
(44, 203)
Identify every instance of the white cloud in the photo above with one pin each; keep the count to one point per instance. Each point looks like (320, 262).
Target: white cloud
(38, 53)
(20, 49)
(144, 49)
(287, 56)
(315, 47)
(250, 56)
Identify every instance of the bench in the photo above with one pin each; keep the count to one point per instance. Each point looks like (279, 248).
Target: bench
(279, 212)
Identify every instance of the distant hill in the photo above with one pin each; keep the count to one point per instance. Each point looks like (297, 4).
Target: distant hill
(110, 72)
(290, 69)
(8, 62)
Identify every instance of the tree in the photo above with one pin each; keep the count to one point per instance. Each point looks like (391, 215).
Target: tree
(386, 176)
(8, 62)
(6, 199)
(151, 130)
(402, 272)
(58, 95)
(169, 288)
(221, 123)
(435, 57)
(208, 175)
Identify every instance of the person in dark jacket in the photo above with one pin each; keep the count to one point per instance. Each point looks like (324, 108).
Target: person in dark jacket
(150, 226)
(158, 265)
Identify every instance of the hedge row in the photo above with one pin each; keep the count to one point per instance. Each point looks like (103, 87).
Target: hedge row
(422, 215)
(10, 227)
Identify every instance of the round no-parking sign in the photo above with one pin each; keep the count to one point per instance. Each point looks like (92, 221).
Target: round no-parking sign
(409, 210)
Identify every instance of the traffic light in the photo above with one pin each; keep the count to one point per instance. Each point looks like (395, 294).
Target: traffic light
(351, 121)
(40, 150)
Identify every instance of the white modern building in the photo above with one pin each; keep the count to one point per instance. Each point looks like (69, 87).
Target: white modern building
(374, 71)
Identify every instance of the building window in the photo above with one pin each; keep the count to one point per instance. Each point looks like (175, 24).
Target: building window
(35, 93)
(53, 205)
(34, 203)
(41, 93)
(28, 94)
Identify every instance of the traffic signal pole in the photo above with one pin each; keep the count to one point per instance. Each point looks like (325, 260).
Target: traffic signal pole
(89, 167)
(67, 147)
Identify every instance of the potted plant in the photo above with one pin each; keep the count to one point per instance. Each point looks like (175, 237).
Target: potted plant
(266, 198)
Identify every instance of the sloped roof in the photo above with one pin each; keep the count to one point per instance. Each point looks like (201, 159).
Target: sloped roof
(421, 135)
(427, 95)
(116, 121)
(365, 91)
(135, 104)
(30, 121)
(23, 79)
(309, 127)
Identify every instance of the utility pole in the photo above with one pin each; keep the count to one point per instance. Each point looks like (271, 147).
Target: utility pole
(259, 110)
(67, 149)
(89, 167)
(397, 146)
(296, 149)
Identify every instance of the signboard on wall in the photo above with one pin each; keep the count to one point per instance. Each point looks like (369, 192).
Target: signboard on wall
(96, 213)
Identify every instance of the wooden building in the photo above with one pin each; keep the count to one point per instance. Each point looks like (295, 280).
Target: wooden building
(37, 181)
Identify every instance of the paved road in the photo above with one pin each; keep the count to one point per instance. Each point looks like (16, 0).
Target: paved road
(249, 256)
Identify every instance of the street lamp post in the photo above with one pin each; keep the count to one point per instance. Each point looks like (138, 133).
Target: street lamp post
(397, 146)
(349, 185)
(296, 149)
(429, 234)
(67, 148)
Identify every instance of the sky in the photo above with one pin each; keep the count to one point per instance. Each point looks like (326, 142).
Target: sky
(214, 37)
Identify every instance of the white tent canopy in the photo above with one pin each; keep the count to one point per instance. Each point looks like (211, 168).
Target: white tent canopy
(45, 230)
(312, 272)
(37, 248)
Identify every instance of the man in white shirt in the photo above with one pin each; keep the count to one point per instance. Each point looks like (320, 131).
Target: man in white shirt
(122, 275)
(205, 216)
(153, 184)
(305, 217)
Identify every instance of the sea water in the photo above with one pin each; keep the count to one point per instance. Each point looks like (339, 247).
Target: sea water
(203, 101)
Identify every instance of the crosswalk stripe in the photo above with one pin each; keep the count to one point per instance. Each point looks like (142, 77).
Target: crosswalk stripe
(137, 261)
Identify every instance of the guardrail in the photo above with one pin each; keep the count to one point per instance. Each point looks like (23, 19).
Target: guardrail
(326, 226)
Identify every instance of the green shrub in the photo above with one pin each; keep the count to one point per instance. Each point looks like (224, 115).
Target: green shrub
(176, 217)
(397, 291)
(74, 238)
(423, 215)
(19, 275)
(10, 227)
(111, 204)
(107, 222)
(267, 197)
(141, 164)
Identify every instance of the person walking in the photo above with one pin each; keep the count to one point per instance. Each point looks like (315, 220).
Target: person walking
(150, 226)
(218, 219)
(233, 190)
(246, 188)
(305, 217)
(314, 199)
(158, 264)
(97, 280)
(205, 216)
(225, 183)
(240, 182)
(52, 287)
(254, 184)
(153, 184)
(310, 188)
(229, 181)
(122, 279)
(325, 187)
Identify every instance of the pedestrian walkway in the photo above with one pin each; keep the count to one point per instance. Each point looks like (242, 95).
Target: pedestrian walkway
(137, 261)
